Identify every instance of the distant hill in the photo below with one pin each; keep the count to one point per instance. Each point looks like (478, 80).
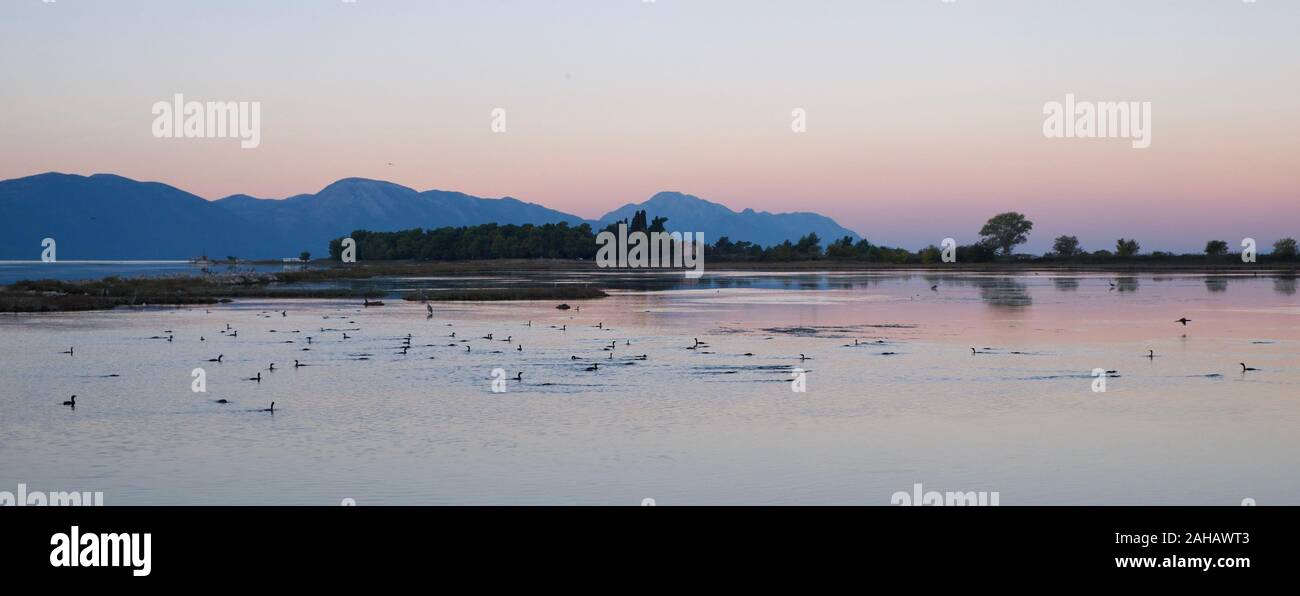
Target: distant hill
(688, 213)
(309, 222)
(110, 217)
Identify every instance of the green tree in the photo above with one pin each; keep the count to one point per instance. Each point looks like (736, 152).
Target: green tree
(1066, 246)
(305, 256)
(1127, 248)
(1006, 230)
(1285, 248)
(1216, 248)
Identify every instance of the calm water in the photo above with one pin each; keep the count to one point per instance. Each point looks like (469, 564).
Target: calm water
(703, 426)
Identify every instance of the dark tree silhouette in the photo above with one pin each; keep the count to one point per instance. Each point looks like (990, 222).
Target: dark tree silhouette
(1006, 230)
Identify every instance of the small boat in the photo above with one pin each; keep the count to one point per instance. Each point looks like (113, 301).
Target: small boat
(369, 302)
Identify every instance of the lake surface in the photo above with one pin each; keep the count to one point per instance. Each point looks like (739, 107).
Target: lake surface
(909, 404)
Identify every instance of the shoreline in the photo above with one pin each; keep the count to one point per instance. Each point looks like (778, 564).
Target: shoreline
(200, 288)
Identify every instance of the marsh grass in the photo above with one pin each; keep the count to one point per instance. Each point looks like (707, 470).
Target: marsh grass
(49, 295)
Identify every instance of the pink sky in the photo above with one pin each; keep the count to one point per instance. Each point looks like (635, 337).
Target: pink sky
(924, 118)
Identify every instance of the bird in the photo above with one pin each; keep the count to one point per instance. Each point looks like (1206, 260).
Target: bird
(69, 352)
(520, 348)
(594, 366)
(934, 288)
(1184, 321)
(223, 401)
(270, 409)
(272, 367)
(297, 364)
(802, 358)
(71, 403)
(258, 378)
(973, 351)
(1151, 353)
(1245, 368)
(519, 376)
(217, 359)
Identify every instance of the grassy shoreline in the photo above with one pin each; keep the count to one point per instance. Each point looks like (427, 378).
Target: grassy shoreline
(181, 290)
(326, 270)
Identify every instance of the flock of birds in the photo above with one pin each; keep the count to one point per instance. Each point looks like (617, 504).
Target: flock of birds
(591, 364)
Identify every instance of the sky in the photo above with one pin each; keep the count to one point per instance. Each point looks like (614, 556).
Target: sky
(923, 117)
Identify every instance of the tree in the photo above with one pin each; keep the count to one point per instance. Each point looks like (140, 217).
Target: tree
(1006, 230)
(1285, 248)
(1066, 246)
(1216, 248)
(841, 249)
(305, 256)
(1127, 248)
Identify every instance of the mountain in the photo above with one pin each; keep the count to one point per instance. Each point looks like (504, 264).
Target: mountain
(309, 222)
(110, 217)
(688, 213)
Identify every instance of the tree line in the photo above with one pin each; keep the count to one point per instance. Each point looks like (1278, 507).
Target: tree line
(998, 239)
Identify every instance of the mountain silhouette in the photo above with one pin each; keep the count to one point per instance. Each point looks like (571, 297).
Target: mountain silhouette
(105, 216)
(687, 213)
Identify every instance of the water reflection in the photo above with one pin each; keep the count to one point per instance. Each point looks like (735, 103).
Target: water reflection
(1004, 292)
(1066, 284)
(1284, 285)
(1216, 284)
(1126, 284)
